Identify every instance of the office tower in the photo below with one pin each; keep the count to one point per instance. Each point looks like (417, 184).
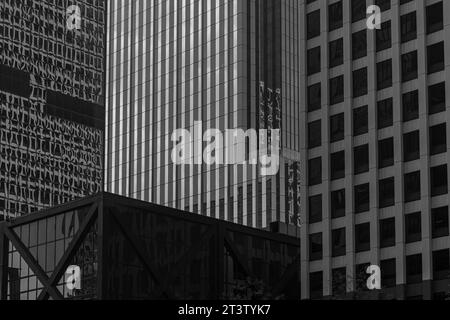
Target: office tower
(51, 102)
(375, 112)
(226, 64)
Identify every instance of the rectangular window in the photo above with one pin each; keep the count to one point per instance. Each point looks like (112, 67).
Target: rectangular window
(360, 121)
(384, 74)
(336, 53)
(338, 204)
(386, 193)
(337, 165)
(362, 237)
(440, 222)
(359, 82)
(338, 243)
(387, 233)
(337, 127)
(413, 227)
(385, 113)
(411, 106)
(362, 198)
(315, 247)
(412, 186)
(337, 90)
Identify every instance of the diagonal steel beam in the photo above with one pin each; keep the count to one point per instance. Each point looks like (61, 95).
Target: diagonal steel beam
(235, 252)
(33, 264)
(187, 257)
(71, 250)
(142, 255)
(287, 276)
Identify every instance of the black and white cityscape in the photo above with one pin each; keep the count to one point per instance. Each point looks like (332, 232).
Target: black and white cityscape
(225, 150)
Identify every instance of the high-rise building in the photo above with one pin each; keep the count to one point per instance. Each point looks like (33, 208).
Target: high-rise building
(375, 114)
(51, 102)
(227, 64)
(362, 110)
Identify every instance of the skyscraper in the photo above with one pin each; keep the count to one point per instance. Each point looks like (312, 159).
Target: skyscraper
(51, 103)
(362, 110)
(375, 112)
(224, 63)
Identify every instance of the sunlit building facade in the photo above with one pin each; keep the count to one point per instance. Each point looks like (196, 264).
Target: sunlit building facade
(226, 63)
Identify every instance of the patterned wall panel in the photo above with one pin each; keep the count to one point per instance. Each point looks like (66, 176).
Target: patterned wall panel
(51, 149)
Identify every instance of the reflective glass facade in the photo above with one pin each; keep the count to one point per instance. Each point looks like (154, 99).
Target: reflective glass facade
(51, 104)
(127, 249)
(226, 63)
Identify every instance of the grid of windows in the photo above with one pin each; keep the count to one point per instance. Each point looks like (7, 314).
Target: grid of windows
(382, 173)
(51, 104)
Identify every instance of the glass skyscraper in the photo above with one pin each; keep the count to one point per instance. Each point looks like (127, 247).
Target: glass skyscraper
(51, 104)
(226, 63)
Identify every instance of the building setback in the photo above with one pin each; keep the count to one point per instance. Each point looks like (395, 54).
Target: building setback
(226, 63)
(51, 104)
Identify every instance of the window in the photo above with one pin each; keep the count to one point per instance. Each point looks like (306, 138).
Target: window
(438, 139)
(386, 193)
(360, 121)
(387, 233)
(412, 186)
(411, 146)
(316, 285)
(439, 181)
(339, 282)
(384, 74)
(440, 226)
(315, 171)
(383, 4)
(361, 159)
(435, 57)
(337, 128)
(313, 24)
(435, 17)
(362, 198)
(338, 243)
(314, 97)
(359, 44)
(338, 204)
(337, 165)
(386, 153)
(409, 66)
(411, 106)
(383, 36)
(413, 226)
(314, 134)
(315, 247)
(436, 98)
(313, 61)
(315, 209)
(385, 114)
(335, 16)
(336, 54)
(408, 27)
(337, 90)
(361, 277)
(359, 82)
(362, 237)
(359, 9)
(441, 264)
(414, 269)
(389, 273)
